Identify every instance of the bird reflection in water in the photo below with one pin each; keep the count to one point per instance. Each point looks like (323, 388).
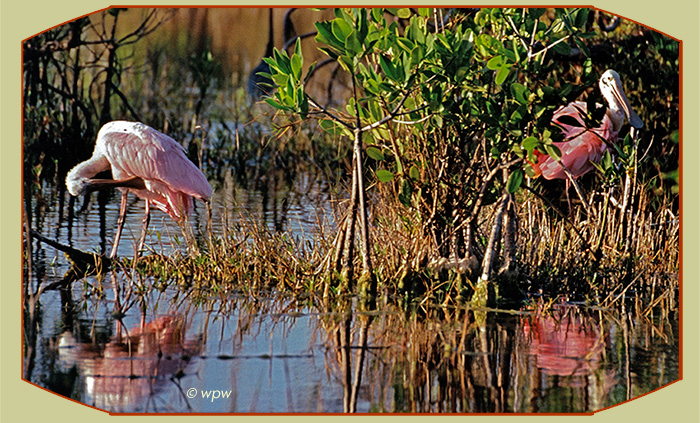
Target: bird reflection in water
(119, 375)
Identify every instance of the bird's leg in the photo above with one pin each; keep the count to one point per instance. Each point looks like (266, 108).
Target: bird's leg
(568, 197)
(120, 224)
(570, 180)
(580, 194)
(142, 238)
(115, 285)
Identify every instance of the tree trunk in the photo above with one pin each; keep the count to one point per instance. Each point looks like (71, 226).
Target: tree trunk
(482, 295)
(349, 248)
(367, 281)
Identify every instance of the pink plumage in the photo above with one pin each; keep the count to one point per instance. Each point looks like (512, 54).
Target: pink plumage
(171, 179)
(580, 147)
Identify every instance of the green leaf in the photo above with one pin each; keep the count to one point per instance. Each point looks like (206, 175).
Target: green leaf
(399, 167)
(530, 171)
(417, 55)
(414, 31)
(517, 150)
(341, 30)
(362, 25)
(332, 127)
(514, 181)
(384, 175)
(562, 48)
(606, 162)
(553, 151)
(436, 120)
(274, 103)
(495, 63)
(346, 63)
(405, 70)
(674, 136)
(530, 143)
(406, 193)
(487, 45)
(325, 35)
(581, 18)
(297, 47)
(330, 52)
(502, 74)
(375, 110)
(405, 43)
(518, 91)
(280, 79)
(414, 173)
(375, 153)
(353, 46)
(404, 13)
(518, 114)
(281, 60)
(388, 68)
(302, 102)
(296, 65)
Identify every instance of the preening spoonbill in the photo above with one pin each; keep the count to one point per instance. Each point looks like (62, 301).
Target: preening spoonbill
(146, 162)
(583, 145)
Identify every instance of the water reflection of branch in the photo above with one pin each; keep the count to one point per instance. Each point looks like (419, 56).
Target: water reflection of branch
(82, 263)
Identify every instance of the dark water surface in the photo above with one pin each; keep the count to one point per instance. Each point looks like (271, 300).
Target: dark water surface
(189, 351)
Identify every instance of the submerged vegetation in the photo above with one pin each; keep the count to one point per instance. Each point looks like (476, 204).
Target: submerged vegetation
(426, 155)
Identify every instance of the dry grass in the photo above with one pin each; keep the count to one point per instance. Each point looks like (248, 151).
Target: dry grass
(597, 258)
(603, 258)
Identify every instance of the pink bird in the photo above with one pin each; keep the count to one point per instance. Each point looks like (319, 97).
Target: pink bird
(582, 145)
(146, 162)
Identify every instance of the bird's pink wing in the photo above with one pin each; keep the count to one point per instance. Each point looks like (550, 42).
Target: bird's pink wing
(574, 110)
(581, 145)
(171, 178)
(576, 154)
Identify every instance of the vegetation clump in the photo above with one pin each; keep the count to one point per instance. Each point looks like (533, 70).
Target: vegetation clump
(427, 157)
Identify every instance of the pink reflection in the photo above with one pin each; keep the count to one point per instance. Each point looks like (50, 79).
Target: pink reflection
(564, 345)
(120, 374)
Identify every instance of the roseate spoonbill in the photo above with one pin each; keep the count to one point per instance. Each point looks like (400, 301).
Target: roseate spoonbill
(146, 162)
(583, 145)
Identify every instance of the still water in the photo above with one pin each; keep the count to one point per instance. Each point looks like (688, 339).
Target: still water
(193, 351)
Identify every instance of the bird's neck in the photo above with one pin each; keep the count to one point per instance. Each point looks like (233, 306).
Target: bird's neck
(617, 117)
(78, 179)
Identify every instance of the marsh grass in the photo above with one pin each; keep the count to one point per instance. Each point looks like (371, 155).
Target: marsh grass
(627, 246)
(601, 258)
(251, 258)
(606, 259)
